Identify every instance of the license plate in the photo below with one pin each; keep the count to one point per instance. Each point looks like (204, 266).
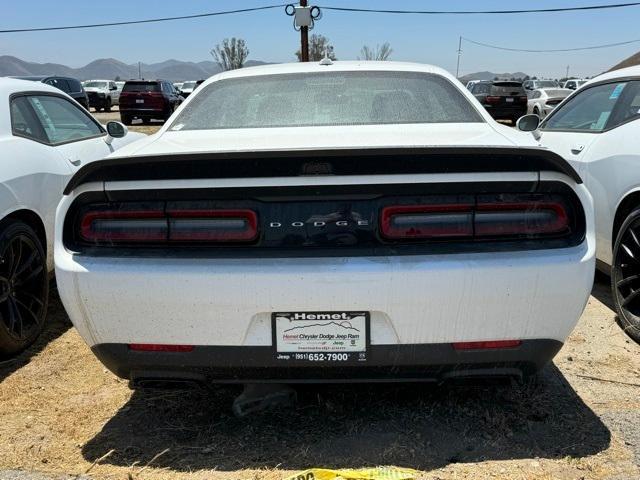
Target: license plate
(322, 337)
(139, 100)
(509, 100)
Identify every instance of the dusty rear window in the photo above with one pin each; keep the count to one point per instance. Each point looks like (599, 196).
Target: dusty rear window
(326, 99)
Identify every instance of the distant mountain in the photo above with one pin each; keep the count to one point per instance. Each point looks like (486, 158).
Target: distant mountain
(110, 68)
(627, 62)
(491, 76)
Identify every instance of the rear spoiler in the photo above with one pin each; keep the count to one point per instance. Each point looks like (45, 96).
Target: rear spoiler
(287, 163)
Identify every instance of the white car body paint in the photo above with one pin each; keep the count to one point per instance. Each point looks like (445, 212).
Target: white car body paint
(608, 162)
(33, 174)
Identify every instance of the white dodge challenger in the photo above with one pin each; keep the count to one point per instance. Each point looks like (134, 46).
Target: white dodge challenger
(326, 222)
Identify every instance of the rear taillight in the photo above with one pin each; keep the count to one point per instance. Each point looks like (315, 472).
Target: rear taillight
(427, 221)
(213, 225)
(523, 99)
(492, 99)
(535, 216)
(167, 226)
(526, 218)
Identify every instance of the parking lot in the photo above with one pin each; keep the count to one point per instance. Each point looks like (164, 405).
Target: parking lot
(62, 412)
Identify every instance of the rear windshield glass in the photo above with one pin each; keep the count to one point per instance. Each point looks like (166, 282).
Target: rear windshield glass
(141, 87)
(188, 84)
(558, 92)
(335, 98)
(507, 88)
(547, 84)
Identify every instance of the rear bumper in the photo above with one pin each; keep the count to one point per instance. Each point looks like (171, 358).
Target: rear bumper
(386, 363)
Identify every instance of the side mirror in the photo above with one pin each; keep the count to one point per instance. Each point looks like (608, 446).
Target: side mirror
(528, 123)
(115, 130)
(113, 88)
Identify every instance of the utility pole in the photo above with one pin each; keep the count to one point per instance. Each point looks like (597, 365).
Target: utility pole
(139, 71)
(459, 54)
(304, 38)
(567, 75)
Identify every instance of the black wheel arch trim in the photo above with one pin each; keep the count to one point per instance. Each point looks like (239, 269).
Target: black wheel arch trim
(341, 161)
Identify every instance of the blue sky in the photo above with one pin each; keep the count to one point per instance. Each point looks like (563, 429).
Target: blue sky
(270, 36)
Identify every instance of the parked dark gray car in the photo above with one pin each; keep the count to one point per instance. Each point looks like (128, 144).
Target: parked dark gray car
(69, 85)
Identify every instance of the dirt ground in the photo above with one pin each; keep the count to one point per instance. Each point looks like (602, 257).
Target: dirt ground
(104, 117)
(61, 412)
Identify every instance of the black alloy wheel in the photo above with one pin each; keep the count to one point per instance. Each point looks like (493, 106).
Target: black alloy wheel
(24, 287)
(625, 275)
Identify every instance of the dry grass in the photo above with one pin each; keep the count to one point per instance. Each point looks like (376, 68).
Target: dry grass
(62, 412)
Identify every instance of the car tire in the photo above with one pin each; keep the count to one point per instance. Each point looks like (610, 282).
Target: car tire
(126, 119)
(107, 105)
(146, 121)
(24, 287)
(625, 275)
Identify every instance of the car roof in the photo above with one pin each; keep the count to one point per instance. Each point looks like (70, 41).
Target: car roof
(9, 86)
(621, 73)
(335, 66)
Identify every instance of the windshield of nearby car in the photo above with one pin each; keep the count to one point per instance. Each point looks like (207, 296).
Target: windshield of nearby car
(96, 84)
(141, 87)
(333, 98)
(547, 84)
(186, 85)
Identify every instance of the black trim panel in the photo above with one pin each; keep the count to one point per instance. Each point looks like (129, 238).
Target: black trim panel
(391, 363)
(287, 163)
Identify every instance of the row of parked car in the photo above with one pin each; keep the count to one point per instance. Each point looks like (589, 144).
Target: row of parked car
(318, 222)
(509, 100)
(137, 99)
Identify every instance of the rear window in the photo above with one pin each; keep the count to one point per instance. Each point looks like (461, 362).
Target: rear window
(74, 85)
(141, 87)
(558, 92)
(326, 99)
(507, 88)
(547, 84)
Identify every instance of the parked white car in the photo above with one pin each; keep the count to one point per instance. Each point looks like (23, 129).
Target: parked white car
(103, 94)
(543, 100)
(332, 221)
(45, 137)
(597, 129)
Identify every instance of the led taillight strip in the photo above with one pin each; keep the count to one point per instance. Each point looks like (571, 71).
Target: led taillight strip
(486, 219)
(158, 226)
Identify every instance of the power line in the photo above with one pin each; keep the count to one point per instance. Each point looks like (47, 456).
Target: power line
(150, 20)
(593, 47)
(338, 9)
(482, 12)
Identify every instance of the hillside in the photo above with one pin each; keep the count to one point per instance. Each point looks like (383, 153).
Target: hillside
(110, 68)
(490, 76)
(627, 62)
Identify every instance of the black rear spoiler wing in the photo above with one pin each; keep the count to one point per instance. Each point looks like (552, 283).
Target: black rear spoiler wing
(286, 163)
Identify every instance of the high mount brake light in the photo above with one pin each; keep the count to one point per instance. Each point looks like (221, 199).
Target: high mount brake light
(497, 219)
(159, 226)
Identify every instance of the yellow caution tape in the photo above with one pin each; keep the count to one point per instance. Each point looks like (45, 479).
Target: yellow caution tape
(380, 473)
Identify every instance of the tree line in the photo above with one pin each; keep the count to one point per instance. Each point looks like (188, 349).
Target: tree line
(232, 53)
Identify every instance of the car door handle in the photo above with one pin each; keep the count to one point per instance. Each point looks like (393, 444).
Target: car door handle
(576, 149)
(74, 161)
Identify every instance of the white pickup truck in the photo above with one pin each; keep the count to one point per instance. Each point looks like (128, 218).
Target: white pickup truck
(103, 94)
